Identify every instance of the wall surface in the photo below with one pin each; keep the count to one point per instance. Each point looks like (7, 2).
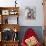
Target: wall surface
(22, 4)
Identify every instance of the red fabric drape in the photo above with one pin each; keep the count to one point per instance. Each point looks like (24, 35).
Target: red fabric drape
(29, 33)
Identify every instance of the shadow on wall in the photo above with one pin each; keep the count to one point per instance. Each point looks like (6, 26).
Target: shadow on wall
(37, 29)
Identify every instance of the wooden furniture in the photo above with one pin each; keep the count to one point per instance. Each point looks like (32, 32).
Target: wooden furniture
(0, 43)
(44, 8)
(5, 13)
(11, 26)
(10, 43)
(44, 36)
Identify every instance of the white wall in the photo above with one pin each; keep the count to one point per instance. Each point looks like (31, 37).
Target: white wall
(39, 12)
(22, 4)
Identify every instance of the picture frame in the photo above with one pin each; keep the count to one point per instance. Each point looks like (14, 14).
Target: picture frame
(5, 19)
(9, 34)
(13, 12)
(5, 12)
(30, 13)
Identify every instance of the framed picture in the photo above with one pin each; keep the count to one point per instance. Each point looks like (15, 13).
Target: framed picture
(13, 12)
(5, 12)
(30, 13)
(6, 34)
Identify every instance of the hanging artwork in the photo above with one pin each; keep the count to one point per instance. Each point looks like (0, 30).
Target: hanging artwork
(30, 13)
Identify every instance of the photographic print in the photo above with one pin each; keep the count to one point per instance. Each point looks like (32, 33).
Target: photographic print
(30, 13)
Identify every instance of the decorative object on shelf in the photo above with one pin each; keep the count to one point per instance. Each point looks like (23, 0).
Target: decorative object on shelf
(30, 13)
(15, 37)
(15, 34)
(13, 12)
(5, 12)
(15, 30)
(6, 21)
(7, 34)
(15, 3)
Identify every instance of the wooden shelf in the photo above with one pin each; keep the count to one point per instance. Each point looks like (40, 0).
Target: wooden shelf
(5, 12)
(9, 43)
(4, 25)
(10, 26)
(5, 8)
